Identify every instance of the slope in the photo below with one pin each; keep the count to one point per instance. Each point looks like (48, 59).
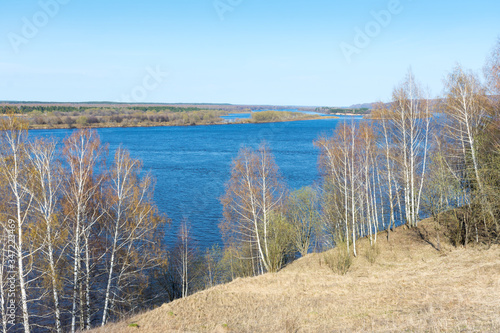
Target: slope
(411, 286)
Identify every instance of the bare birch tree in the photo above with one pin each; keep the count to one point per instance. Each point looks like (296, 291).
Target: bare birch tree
(334, 164)
(467, 111)
(16, 174)
(133, 232)
(184, 258)
(45, 187)
(253, 194)
(83, 152)
(410, 119)
(382, 115)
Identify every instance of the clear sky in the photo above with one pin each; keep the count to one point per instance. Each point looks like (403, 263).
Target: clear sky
(236, 51)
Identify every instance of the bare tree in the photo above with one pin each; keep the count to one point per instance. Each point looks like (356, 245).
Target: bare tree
(410, 122)
(15, 172)
(185, 257)
(335, 166)
(467, 108)
(382, 114)
(253, 194)
(45, 187)
(124, 179)
(132, 232)
(83, 152)
(367, 151)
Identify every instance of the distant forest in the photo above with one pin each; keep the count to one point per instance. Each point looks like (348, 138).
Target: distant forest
(24, 109)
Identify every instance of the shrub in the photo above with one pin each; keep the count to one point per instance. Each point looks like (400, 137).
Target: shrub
(339, 259)
(372, 253)
(69, 121)
(93, 120)
(116, 119)
(82, 120)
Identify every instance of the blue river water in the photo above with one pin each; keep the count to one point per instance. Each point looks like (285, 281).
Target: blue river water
(192, 164)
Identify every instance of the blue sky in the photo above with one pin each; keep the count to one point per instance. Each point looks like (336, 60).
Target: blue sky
(244, 52)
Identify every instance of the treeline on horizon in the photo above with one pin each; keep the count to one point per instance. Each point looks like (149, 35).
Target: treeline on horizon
(24, 109)
(82, 239)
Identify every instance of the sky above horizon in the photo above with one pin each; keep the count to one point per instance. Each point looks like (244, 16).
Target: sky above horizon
(314, 53)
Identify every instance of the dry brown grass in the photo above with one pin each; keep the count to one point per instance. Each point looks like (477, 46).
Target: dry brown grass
(411, 287)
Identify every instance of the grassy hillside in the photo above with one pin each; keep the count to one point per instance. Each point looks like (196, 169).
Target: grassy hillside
(410, 287)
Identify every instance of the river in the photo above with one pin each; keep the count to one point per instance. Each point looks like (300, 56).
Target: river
(192, 164)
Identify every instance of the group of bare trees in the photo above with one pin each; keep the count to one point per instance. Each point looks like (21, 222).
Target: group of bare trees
(464, 176)
(373, 171)
(471, 146)
(418, 157)
(351, 192)
(77, 238)
(263, 224)
(413, 158)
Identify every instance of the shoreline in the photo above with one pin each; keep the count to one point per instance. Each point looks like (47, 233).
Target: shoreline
(109, 125)
(348, 114)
